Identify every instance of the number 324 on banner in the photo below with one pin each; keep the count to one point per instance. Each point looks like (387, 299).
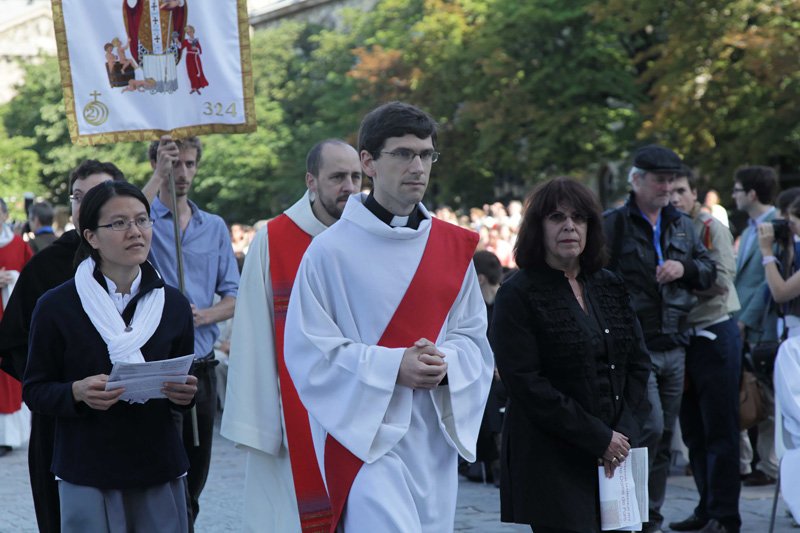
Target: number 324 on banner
(219, 109)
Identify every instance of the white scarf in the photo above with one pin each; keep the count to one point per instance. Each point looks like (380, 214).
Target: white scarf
(123, 343)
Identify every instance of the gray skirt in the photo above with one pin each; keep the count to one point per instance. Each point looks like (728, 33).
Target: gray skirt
(157, 509)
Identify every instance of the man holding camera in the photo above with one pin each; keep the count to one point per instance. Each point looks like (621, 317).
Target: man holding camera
(753, 191)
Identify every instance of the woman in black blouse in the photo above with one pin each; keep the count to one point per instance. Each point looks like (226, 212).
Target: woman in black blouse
(570, 352)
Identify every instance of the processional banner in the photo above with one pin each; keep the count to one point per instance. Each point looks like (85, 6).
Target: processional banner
(132, 70)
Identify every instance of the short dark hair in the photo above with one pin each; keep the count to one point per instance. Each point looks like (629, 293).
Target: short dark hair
(786, 198)
(488, 264)
(691, 179)
(314, 157)
(43, 212)
(394, 119)
(91, 205)
(93, 166)
(188, 142)
(546, 198)
(762, 179)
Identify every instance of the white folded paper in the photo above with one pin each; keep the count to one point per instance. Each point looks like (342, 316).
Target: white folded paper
(624, 497)
(144, 381)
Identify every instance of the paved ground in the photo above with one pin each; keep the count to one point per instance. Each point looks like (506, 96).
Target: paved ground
(478, 505)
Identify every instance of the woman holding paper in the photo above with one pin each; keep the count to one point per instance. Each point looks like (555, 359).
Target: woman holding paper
(119, 464)
(570, 352)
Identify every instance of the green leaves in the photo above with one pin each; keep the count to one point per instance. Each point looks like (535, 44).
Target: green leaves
(522, 91)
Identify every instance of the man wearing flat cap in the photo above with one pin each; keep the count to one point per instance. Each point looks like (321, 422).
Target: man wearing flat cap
(654, 248)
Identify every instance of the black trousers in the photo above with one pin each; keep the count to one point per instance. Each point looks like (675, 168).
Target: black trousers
(43, 483)
(710, 421)
(206, 408)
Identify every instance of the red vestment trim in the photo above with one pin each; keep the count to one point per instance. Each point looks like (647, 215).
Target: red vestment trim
(287, 244)
(421, 313)
(13, 256)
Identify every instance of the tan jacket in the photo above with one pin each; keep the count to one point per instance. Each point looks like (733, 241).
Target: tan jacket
(719, 241)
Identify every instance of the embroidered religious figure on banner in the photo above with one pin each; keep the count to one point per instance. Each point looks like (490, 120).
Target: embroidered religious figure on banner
(131, 86)
(194, 65)
(121, 69)
(150, 25)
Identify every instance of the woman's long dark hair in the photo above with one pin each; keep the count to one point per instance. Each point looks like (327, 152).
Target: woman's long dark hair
(91, 205)
(546, 198)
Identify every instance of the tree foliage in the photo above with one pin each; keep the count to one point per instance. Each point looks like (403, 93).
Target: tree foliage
(522, 91)
(720, 79)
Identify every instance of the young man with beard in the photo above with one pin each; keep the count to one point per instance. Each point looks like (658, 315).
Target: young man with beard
(386, 340)
(209, 268)
(283, 487)
(48, 269)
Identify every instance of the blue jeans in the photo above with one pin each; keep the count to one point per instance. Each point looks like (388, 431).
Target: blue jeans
(710, 421)
(664, 391)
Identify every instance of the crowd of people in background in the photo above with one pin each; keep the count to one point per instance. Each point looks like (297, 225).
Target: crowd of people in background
(496, 223)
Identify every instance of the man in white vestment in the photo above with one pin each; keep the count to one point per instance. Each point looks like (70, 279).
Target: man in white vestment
(254, 415)
(386, 341)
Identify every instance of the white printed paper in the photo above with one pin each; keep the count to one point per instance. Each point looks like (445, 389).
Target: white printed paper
(624, 497)
(144, 381)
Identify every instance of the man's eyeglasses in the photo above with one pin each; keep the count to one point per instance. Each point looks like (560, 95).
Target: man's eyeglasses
(75, 198)
(737, 189)
(407, 156)
(124, 225)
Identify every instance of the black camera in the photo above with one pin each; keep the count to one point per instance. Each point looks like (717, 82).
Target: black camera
(780, 228)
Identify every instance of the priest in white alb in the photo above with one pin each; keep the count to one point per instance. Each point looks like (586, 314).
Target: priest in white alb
(261, 411)
(385, 341)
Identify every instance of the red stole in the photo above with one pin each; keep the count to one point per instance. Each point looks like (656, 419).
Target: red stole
(287, 244)
(436, 282)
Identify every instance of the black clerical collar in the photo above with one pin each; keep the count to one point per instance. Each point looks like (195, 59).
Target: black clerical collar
(384, 215)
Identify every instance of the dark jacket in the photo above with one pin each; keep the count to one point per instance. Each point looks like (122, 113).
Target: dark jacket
(42, 241)
(46, 270)
(662, 308)
(562, 404)
(129, 445)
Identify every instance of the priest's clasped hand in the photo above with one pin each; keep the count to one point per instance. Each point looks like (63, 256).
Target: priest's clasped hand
(422, 366)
